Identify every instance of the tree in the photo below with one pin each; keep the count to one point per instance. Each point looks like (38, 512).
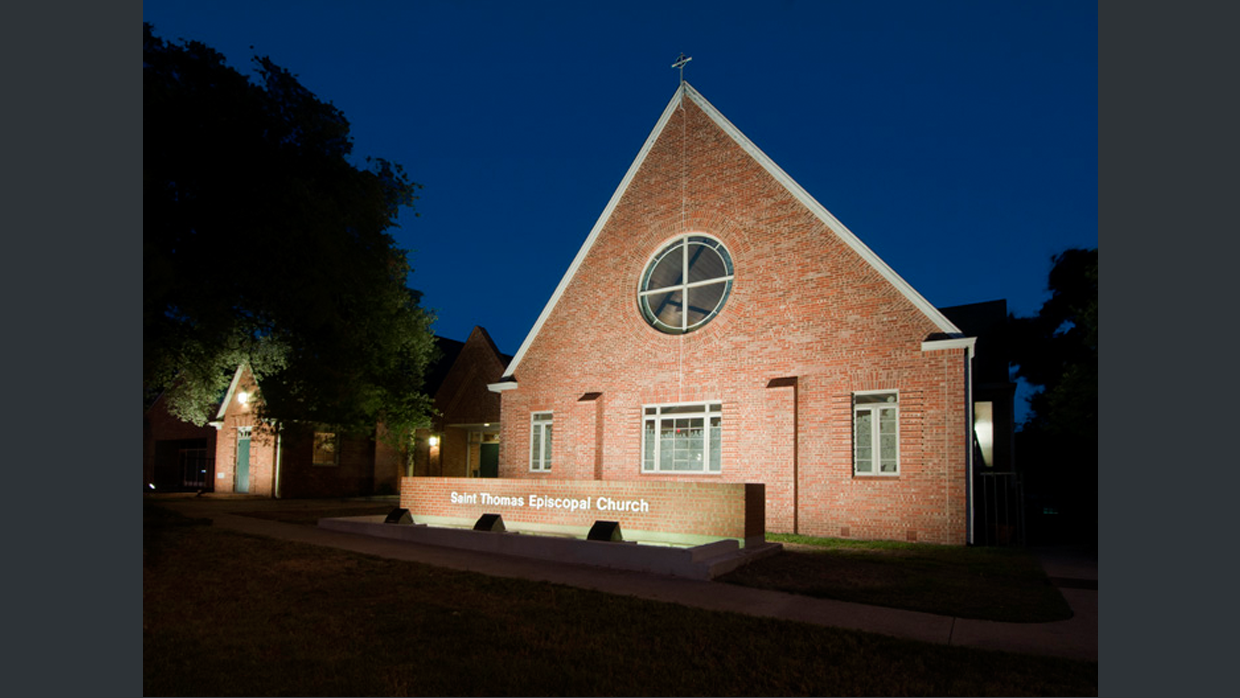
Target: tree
(1056, 351)
(263, 245)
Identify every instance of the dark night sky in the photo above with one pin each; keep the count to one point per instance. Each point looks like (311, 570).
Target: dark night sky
(958, 139)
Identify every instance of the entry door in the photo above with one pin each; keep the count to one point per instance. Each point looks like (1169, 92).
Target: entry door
(488, 460)
(243, 460)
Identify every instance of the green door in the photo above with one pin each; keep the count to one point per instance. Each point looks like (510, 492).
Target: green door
(243, 460)
(488, 460)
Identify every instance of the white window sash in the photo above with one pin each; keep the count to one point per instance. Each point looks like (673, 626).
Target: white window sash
(874, 414)
(653, 428)
(540, 441)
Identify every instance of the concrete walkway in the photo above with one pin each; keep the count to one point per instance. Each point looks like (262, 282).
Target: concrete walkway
(1076, 575)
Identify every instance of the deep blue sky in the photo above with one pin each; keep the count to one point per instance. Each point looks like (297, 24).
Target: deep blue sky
(957, 139)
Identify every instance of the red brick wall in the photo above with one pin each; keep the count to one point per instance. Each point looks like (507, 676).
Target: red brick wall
(262, 445)
(355, 473)
(803, 305)
(463, 397)
(454, 446)
(725, 510)
(351, 475)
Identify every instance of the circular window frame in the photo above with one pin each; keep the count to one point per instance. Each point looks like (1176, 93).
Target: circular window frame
(685, 284)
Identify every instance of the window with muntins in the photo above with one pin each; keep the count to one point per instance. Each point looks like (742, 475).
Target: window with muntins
(686, 284)
(876, 433)
(682, 438)
(540, 441)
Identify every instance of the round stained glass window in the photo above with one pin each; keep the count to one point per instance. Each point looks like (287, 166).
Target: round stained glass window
(686, 284)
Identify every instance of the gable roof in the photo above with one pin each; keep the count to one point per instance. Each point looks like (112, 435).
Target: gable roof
(228, 396)
(685, 91)
(437, 370)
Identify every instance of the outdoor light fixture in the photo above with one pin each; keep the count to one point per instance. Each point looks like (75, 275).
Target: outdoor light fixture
(984, 431)
(243, 397)
(433, 441)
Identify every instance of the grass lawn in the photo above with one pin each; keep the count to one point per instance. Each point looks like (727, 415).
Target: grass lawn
(1002, 584)
(230, 614)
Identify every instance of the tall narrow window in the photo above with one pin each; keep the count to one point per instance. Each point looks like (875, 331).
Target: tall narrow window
(540, 441)
(682, 438)
(876, 436)
(686, 284)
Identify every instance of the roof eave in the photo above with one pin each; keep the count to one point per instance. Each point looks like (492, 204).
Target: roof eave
(598, 227)
(932, 313)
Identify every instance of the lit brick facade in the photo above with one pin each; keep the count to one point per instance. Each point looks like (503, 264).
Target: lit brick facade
(463, 406)
(283, 465)
(709, 510)
(812, 319)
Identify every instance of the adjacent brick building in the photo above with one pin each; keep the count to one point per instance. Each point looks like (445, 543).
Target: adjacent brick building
(465, 429)
(296, 460)
(309, 461)
(176, 455)
(719, 324)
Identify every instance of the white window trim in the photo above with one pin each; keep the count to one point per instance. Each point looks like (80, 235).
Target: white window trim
(706, 413)
(875, 441)
(541, 462)
(683, 240)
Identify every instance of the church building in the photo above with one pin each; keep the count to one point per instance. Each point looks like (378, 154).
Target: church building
(720, 325)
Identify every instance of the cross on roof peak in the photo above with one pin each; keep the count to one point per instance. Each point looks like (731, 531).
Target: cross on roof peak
(680, 63)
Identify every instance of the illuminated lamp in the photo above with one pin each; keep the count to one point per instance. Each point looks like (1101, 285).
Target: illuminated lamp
(398, 516)
(984, 431)
(490, 522)
(243, 397)
(433, 441)
(605, 531)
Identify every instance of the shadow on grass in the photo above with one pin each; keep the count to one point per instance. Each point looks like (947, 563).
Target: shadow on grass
(999, 584)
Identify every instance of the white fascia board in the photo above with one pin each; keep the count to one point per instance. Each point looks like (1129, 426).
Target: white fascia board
(502, 386)
(824, 215)
(594, 233)
(232, 390)
(954, 343)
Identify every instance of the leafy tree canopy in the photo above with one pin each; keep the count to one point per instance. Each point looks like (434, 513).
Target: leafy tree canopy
(263, 245)
(1057, 349)
(1057, 352)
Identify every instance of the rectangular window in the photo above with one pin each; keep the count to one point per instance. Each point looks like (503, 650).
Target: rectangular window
(876, 434)
(326, 448)
(682, 438)
(540, 441)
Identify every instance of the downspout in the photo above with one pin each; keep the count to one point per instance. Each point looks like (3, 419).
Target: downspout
(968, 419)
(796, 457)
(279, 455)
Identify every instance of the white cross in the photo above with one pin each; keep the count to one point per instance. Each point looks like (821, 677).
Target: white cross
(680, 63)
